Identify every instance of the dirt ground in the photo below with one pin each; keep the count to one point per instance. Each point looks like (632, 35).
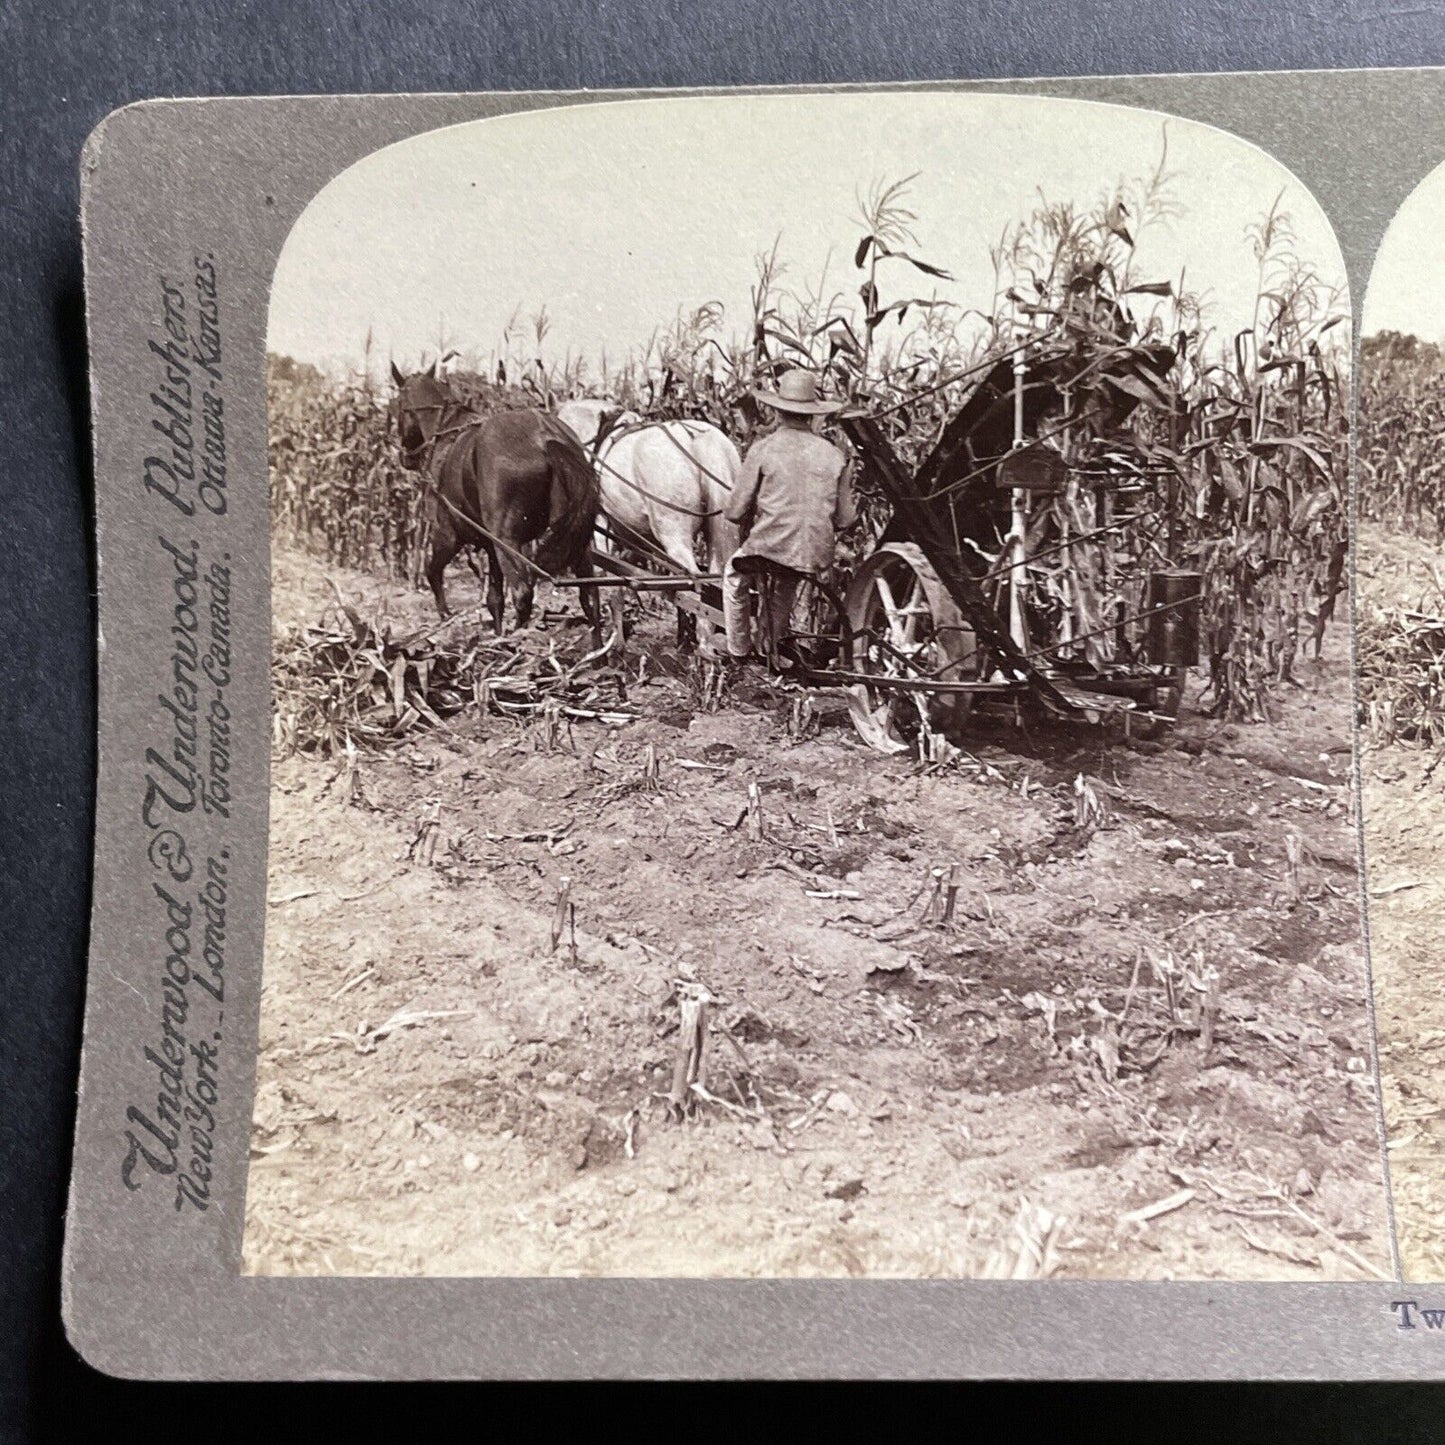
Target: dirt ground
(1403, 815)
(441, 1092)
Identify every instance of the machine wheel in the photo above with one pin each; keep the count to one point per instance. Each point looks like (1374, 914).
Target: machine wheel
(903, 623)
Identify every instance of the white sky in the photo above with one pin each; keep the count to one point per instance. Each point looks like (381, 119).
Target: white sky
(616, 214)
(1406, 290)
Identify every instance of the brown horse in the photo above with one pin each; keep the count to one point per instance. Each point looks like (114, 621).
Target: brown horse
(504, 483)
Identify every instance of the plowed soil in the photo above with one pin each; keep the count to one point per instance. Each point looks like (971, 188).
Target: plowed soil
(442, 1092)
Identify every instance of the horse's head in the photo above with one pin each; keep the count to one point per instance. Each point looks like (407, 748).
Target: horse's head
(417, 409)
(594, 419)
(611, 419)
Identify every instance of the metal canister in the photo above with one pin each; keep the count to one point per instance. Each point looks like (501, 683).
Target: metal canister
(1171, 601)
(1035, 467)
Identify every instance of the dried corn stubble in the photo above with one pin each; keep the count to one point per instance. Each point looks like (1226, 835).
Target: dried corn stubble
(1400, 664)
(349, 682)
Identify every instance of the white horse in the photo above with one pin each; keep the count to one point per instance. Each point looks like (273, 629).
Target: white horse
(667, 482)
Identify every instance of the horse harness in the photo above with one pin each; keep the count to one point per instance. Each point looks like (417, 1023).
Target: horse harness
(472, 419)
(432, 488)
(637, 487)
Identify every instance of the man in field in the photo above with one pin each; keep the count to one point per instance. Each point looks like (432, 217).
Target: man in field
(791, 499)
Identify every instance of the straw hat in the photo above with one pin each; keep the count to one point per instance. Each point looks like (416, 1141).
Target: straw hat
(798, 392)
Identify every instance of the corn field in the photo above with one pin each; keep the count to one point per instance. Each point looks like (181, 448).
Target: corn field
(1243, 437)
(1400, 643)
(337, 486)
(1402, 434)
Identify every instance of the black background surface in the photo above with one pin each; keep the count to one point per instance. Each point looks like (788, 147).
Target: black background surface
(62, 68)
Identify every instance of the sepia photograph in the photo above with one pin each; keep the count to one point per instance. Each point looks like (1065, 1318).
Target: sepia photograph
(1400, 642)
(811, 704)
